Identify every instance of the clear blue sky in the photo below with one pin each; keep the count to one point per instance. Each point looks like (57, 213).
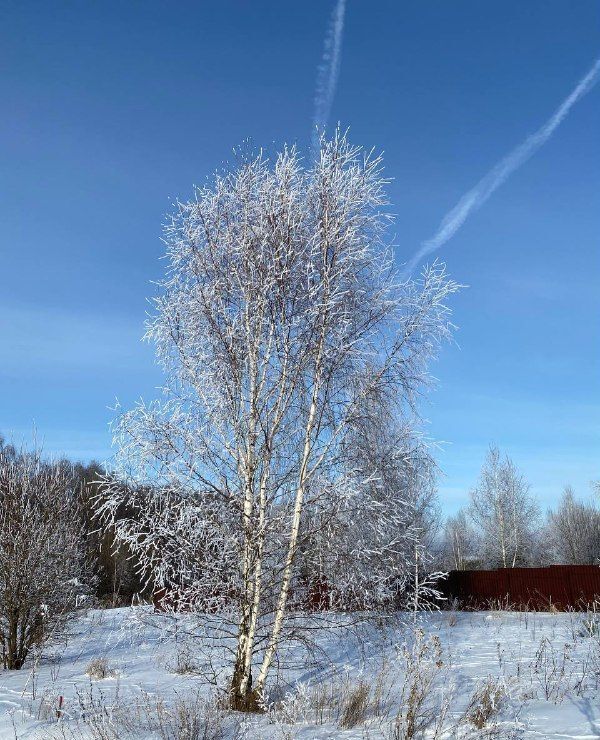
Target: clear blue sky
(110, 110)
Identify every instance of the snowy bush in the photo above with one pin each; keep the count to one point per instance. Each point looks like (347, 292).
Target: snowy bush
(44, 573)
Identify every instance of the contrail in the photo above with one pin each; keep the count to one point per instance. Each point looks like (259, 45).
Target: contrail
(328, 73)
(477, 196)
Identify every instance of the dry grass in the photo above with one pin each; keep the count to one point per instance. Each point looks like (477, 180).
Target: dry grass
(185, 663)
(422, 708)
(416, 688)
(99, 668)
(356, 706)
(590, 626)
(552, 670)
(189, 717)
(485, 704)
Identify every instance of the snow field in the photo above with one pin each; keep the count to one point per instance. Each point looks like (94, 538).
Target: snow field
(453, 675)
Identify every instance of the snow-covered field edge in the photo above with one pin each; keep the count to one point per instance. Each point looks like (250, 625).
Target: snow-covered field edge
(128, 673)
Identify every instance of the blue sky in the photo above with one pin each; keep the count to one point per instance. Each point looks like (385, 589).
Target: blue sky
(111, 110)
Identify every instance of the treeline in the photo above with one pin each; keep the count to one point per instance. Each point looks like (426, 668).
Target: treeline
(57, 556)
(60, 550)
(504, 527)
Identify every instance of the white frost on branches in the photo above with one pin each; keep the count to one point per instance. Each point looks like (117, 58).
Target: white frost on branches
(279, 320)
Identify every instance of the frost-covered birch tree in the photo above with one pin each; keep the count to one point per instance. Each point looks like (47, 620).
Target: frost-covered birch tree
(279, 316)
(461, 546)
(506, 516)
(574, 530)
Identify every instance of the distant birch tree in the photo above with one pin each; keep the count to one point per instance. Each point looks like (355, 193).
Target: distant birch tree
(279, 317)
(505, 514)
(461, 547)
(574, 528)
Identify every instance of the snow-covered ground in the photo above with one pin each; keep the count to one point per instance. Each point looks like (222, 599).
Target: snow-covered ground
(534, 675)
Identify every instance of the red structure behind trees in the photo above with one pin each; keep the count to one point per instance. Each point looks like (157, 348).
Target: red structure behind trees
(558, 587)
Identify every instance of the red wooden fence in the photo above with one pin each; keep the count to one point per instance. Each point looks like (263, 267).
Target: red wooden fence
(555, 587)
